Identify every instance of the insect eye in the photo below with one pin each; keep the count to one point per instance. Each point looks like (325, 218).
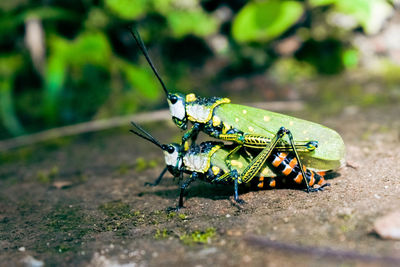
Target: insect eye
(170, 149)
(173, 99)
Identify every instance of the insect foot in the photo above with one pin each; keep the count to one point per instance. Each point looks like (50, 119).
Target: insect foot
(321, 188)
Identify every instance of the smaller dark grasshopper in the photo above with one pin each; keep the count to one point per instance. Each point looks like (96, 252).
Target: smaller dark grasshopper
(211, 162)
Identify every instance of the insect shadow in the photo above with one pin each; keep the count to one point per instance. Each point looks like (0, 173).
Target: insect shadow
(197, 189)
(219, 192)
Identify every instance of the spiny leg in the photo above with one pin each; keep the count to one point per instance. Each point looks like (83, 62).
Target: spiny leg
(298, 158)
(258, 162)
(192, 134)
(260, 141)
(235, 176)
(158, 180)
(192, 177)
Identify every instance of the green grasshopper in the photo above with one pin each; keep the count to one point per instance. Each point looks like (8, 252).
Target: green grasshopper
(251, 127)
(211, 162)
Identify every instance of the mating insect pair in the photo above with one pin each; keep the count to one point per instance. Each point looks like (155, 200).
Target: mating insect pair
(251, 128)
(213, 162)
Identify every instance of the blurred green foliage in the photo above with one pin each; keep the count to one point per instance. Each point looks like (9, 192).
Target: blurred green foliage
(263, 21)
(64, 62)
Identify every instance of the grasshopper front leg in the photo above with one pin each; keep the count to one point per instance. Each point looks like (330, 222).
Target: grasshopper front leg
(192, 134)
(192, 177)
(158, 180)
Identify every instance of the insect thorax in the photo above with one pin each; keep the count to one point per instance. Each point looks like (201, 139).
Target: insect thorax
(200, 109)
(197, 158)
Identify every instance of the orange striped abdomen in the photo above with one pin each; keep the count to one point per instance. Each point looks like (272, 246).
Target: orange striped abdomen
(287, 165)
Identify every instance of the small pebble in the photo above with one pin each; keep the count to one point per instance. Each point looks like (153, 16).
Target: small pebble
(32, 262)
(22, 249)
(388, 226)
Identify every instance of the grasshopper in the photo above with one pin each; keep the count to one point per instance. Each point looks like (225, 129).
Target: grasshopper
(251, 127)
(211, 161)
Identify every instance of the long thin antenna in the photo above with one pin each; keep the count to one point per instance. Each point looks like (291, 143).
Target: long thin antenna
(142, 47)
(144, 134)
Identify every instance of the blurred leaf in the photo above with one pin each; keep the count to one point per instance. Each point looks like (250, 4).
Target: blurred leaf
(10, 22)
(141, 79)
(87, 48)
(370, 14)
(289, 70)
(8, 68)
(163, 6)
(55, 74)
(8, 6)
(97, 18)
(90, 48)
(196, 22)
(45, 13)
(350, 58)
(263, 21)
(127, 9)
(315, 3)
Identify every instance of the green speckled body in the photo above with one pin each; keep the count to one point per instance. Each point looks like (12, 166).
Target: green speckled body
(330, 152)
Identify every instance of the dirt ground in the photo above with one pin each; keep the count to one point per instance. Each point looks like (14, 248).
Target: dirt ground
(82, 201)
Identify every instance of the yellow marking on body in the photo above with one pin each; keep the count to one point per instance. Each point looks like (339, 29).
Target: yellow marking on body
(287, 170)
(244, 111)
(299, 178)
(190, 97)
(267, 118)
(251, 129)
(217, 103)
(272, 183)
(210, 153)
(216, 121)
(186, 146)
(236, 163)
(215, 170)
(291, 123)
(237, 119)
(226, 128)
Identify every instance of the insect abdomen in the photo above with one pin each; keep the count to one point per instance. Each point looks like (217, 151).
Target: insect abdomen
(286, 164)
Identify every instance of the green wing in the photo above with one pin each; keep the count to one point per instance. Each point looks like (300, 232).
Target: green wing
(330, 152)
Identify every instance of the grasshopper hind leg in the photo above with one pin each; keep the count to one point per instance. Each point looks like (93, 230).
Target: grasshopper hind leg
(235, 176)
